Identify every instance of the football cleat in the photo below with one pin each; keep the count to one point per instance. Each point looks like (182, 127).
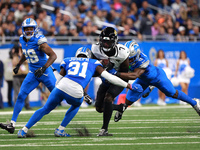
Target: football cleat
(21, 134)
(119, 113)
(118, 116)
(197, 106)
(61, 133)
(9, 127)
(147, 94)
(104, 132)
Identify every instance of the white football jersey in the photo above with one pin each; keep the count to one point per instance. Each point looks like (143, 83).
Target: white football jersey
(122, 53)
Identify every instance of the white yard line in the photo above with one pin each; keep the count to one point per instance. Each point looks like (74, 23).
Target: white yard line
(112, 144)
(93, 109)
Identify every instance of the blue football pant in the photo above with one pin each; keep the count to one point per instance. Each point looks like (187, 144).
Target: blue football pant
(28, 85)
(163, 84)
(54, 99)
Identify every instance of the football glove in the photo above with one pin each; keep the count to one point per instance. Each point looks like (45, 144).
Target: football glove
(87, 98)
(16, 69)
(39, 72)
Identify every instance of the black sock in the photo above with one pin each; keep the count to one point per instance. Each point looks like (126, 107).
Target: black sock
(107, 113)
(116, 107)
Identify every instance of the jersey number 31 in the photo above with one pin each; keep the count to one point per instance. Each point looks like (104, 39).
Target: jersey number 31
(78, 68)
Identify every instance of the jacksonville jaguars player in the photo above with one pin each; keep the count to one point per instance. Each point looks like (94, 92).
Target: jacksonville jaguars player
(35, 49)
(112, 55)
(147, 74)
(76, 72)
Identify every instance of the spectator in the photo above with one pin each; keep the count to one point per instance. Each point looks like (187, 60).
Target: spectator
(165, 7)
(146, 23)
(181, 34)
(169, 36)
(1, 83)
(2, 35)
(196, 31)
(62, 31)
(99, 18)
(20, 13)
(177, 5)
(155, 30)
(8, 76)
(72, 8)
(59, 3)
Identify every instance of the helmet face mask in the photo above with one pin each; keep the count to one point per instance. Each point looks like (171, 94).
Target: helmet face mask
(83, 51)
(108, 38)
(29, 28)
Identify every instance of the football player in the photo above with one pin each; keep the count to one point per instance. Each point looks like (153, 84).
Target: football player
(75, 72)
(112, 55)
(147, 74)
(35, 49)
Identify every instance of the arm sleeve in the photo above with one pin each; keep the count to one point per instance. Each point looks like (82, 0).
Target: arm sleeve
(113, 79)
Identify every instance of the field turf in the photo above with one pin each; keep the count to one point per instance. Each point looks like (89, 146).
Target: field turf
(172, 127)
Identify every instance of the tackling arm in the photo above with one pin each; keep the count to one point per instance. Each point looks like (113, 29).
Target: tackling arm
(131, 75)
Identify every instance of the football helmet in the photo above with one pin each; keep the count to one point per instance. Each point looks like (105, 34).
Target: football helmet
(29, 22)
(108, 38)
(134, 49)
(83, 51)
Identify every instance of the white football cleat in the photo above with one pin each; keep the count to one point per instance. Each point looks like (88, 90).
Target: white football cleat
(197, 106)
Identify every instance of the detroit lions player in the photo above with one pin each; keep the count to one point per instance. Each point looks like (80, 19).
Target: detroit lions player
(147, 74)
(35, 48)
(112, 55)
(75, 72)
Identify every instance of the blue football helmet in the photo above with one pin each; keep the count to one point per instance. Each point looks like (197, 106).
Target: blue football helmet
(134, 49)
(83, 51)
(29, 22)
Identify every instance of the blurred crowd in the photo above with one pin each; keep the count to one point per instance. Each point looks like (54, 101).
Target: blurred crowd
(170, 20)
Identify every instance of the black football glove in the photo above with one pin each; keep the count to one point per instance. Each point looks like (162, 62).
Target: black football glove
(87, 98)
(15, 70)
(39, 72)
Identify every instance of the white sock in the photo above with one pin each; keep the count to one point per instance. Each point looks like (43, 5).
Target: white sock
(61, 128)
(13, 122)
(25, 129)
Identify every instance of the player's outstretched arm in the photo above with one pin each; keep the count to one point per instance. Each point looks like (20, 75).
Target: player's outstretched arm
(131, 75)
(112, 78)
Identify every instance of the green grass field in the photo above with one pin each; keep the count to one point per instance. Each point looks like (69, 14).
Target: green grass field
(146, 128)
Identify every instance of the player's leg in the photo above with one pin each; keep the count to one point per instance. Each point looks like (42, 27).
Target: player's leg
(111, 93)
(165, 85)
(27, 86)
(54, 99)
(99, 102)
(131, 97)
(70, 114)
